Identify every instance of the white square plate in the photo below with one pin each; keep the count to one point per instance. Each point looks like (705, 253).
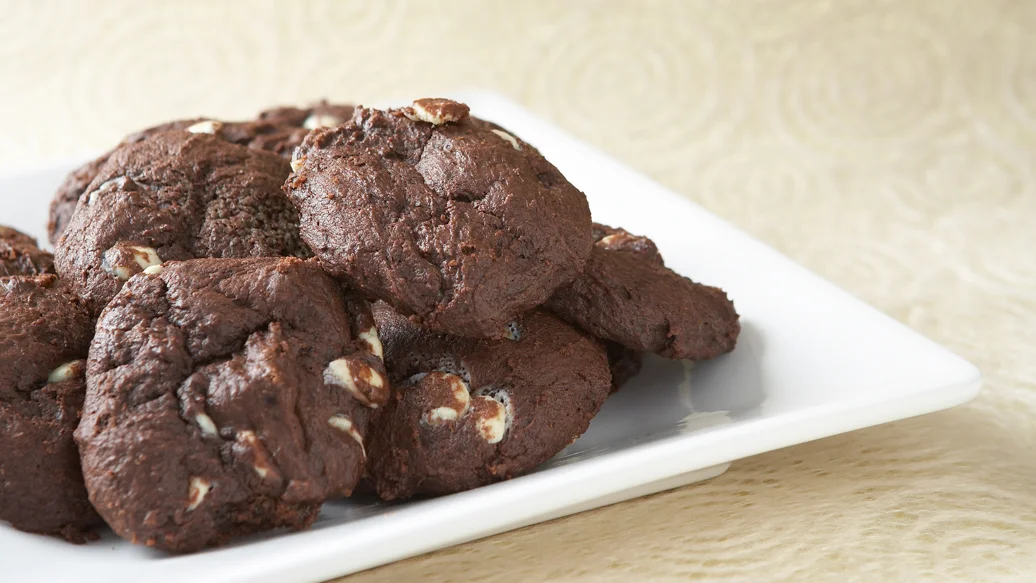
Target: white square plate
(812, 361)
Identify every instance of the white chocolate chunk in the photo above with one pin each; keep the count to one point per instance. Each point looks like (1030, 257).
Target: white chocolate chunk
(206, 424)
(420, 111)
(460, 392)
(95, 194)
(373, 342)
(146, 257)
(441, 415)
(321, 120)
(154, 270)
(455, 410)
(297, 163)
(348, 373)
(343, 423)
(508, 137)
(197, 489)
(209, 126)
(143, 257)
(493, 426)
(249, 438)
(69, 370)
(122, 272)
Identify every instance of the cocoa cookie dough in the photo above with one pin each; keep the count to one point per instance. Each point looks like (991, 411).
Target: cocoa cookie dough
(44, 338)
(470, 412)
(227, 397)
(627, 295)
(175, 195)
(278, 130)
(451, 220)
(19, 254)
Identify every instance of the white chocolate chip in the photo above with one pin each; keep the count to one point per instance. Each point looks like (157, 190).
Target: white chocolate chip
(343, 423)
(119, 181)
(493, 426)
(441, 415)
(607, 241)
(206, 424)
(197, 489)
(461, 397)
(508, 137)
(69, 370)
(143, 257)
(624, 238)
(297, 162)
(250, 439)
(373, 342)
(321, 120)
(146, 257)
(436, 114)
(209, 126)
(348, 373)
(460, 392)
(154, 270)
(121, 272)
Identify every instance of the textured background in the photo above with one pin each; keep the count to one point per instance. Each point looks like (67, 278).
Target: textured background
(891, 147)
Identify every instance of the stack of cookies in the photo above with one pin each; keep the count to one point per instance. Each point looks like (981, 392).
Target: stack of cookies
(244, 320)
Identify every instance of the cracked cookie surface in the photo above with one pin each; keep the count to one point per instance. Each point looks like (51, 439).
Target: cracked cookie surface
(44, 337)
(469, 412)
(448, 218)
(627, 295)
(176, 195)
(227, 397)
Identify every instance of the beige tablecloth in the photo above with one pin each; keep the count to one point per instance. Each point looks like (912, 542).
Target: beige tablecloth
(889, 146)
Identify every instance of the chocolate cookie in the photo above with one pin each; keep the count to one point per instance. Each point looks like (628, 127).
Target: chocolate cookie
(469, 412)
(628, 295)
(278, 130)
(44, 338)
(448, 218)
(19, 254)
(227, 397)
(176, 195)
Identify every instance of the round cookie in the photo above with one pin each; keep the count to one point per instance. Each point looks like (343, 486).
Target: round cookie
(227, 397)
(448, 218)
(627, 295)
(43, 346)
(19, 254)
(468, 412)
(176, 195)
